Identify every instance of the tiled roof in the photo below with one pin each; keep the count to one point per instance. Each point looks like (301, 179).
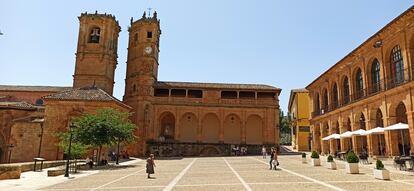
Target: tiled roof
(215, 85)
(292, 95)
(34, 88)
(17, 105)
(301, 90)
(84, 94)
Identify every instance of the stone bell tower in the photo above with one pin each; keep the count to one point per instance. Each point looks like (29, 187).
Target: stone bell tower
(142, 71)
(96, 55)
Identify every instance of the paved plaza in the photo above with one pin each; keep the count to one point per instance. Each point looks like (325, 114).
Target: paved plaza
(234, 173)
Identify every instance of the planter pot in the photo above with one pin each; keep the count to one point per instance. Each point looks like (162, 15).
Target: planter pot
(304, 161)
(382, 174)
(316, 162)
(352, 168)
(331, 165)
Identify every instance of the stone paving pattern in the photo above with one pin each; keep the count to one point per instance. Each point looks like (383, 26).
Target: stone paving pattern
(214, 174)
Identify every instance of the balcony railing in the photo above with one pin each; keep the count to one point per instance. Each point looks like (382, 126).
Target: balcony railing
(373, 88)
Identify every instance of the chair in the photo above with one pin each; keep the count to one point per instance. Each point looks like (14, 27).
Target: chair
(399, 163)
(363, 158)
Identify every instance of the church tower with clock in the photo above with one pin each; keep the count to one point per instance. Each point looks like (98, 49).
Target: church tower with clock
(142, 71)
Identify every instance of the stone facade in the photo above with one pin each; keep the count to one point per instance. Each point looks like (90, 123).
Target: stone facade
(370, 87)
(96, 55)
(186, 112)
(195, 118)
(299, 113)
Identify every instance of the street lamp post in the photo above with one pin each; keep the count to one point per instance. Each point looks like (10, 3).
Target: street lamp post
(68, 156)
(10, 148)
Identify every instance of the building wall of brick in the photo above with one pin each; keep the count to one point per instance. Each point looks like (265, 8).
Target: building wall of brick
(359, 108)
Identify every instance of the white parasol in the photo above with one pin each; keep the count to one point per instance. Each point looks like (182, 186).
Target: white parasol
(347, 134)
(359, 132)
(398, 126)
(376, 130)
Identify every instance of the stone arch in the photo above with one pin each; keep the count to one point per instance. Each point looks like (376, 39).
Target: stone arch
(167, 125)
(254, 130)
(358, 83)
(362, 120)
(335, 95)
(188, 127)
(399, 140)
(401, 113)
(392, 111)
(232, 129)
(210, 128)
(317, 103)
(345, 89)
(379, 118)
(325, 100)
(373, 75)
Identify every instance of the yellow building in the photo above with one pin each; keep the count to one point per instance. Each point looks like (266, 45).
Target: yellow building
(299, 112)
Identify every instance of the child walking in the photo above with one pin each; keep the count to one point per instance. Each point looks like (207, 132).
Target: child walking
(150, 165)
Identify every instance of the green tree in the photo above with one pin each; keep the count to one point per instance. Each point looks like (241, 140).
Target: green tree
(77, 150)
(107, 127)
(285, 131)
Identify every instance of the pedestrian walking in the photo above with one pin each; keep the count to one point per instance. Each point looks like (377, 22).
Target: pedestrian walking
(264, 153)
(272, 151)
(275, 161)
(150, 165)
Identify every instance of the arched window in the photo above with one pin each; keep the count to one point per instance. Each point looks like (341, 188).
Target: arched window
(375, 76)
(359, 84)
(325, 100)
(317, 104)
(362, 122)
(346, 91)
(397, 66)
(95, 35)
(335, 96)
(379, 122)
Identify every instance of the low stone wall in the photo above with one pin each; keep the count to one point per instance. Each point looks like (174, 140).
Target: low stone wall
(10, 171)
(28, 166)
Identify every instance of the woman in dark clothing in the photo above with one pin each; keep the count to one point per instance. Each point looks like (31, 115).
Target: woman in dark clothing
(150, 165)
(272, 154)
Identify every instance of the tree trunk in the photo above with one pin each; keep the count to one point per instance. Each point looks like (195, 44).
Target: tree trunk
(99, 155)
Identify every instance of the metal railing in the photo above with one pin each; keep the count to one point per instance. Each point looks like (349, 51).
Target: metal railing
(373, 88)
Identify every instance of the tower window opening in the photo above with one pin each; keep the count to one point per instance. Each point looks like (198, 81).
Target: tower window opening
(95, 35)
(149, 34)
(136, 39)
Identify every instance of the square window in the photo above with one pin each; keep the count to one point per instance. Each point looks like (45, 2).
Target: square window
(149, 34)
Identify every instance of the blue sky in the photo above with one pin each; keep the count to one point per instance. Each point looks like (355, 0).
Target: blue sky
(286, 44)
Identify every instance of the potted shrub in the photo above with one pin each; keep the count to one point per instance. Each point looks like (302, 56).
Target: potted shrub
(351, 165)
(380, 172)
(315, 159)
(331, 163)
(304, 158)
